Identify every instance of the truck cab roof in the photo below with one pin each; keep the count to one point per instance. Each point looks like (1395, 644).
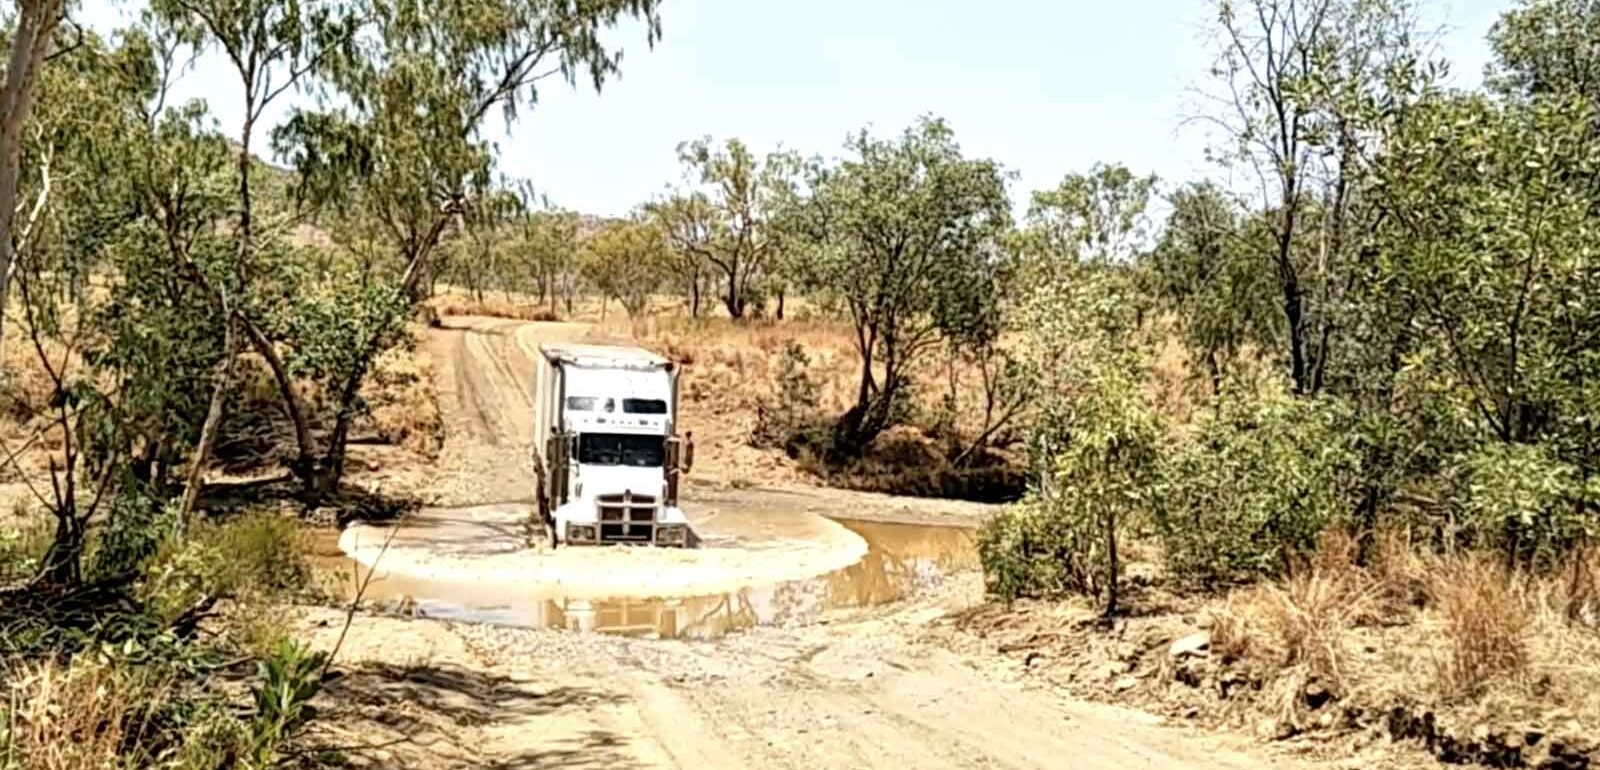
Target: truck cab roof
(604, 357)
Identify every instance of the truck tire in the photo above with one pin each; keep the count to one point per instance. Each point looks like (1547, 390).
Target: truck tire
(546, 516)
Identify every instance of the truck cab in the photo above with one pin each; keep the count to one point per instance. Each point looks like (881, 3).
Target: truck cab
(611, 459)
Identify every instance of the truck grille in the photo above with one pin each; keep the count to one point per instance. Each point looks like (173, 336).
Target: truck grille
(627, 518)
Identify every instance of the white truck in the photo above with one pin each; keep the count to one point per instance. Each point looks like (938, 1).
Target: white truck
(606, 453)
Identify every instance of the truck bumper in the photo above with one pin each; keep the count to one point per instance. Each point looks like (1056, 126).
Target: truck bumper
(662, 526)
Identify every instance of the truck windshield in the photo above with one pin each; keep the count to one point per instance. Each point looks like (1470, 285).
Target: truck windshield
(620, 449)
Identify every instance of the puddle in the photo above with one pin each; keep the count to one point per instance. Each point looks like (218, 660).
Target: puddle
(902, 558)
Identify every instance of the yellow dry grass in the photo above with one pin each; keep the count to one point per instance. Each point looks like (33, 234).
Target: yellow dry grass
(67, 717)
(1460, 634)
(493, 304)
(402, 396)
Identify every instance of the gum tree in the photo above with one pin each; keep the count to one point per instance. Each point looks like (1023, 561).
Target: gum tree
(400, 145)
(905, 233)
(722, 221)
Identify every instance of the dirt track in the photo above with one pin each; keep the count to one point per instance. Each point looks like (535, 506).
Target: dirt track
(866, 688)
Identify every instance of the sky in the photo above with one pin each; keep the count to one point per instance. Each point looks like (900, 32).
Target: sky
(1045, 88)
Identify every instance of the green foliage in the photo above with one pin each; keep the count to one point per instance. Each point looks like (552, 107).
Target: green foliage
(1096, 441)
(722, 223)
(626, 261)
(1203, 267)
(137, 526)
(1517, 499)
(255, 556)
(1498, 225)
(789, 416)
(1255, 486)
(1546, 47)
(904, 233)
(1093, 217)
(1026, 551)
(289, 679)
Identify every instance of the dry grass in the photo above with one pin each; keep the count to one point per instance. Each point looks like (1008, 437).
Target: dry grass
(728, 368)
(1458, 634)
(1485, 622)
(405, 406)
(67, 717)
(495, 305)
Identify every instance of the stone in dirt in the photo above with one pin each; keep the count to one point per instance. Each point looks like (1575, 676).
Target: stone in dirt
(1193, 645)
(1317, 696)
(1124, 684)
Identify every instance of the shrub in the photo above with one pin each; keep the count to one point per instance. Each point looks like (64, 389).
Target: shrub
(1257, 485)
(787, 417)
(255, 555)
(1517, 499)
(1098, 457)
(290, 678)
(119, 706)
(134, 531)
(1025, 550)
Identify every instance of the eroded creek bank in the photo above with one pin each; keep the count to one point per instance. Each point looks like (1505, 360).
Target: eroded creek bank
(898, 559)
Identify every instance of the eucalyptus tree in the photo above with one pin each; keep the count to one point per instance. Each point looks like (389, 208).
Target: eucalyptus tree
(904, 232)
(32, 44)
(1308, 91)
(626, 260)
(549, 242)
(687, 218)
(273, 46)
(723, 220)
(112, 389)
(401, 143)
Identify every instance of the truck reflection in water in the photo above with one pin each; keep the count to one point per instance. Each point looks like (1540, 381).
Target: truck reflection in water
(901, 559)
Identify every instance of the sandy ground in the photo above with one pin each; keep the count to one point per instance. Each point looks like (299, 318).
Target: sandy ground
(866, 687)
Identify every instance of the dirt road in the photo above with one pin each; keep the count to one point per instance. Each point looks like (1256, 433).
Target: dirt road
(863, 688)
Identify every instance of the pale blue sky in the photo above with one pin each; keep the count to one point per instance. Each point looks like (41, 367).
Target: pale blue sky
(1046, 88)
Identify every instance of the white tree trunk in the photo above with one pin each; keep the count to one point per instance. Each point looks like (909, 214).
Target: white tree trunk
(36, 25)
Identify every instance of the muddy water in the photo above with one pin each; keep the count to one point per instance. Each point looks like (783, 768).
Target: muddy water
(902, 558)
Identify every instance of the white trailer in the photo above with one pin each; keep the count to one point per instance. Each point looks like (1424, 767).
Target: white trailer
(606, 451)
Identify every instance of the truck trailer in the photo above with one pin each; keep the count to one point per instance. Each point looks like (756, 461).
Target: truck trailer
(607, 455)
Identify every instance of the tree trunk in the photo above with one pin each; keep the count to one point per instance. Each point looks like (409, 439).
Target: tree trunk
(780, 303)
(694, 295)
(305, 448)
(324, 476)
(734, 302)
(1289, 282)
(36, 26)
(63, 562)
(1112, 568)
(195, 478)
(219, 395)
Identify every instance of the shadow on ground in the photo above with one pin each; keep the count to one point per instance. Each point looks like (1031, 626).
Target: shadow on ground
(427, 717)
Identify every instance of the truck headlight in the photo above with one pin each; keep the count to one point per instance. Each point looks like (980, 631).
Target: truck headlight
(672, 534)
(581, 533)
